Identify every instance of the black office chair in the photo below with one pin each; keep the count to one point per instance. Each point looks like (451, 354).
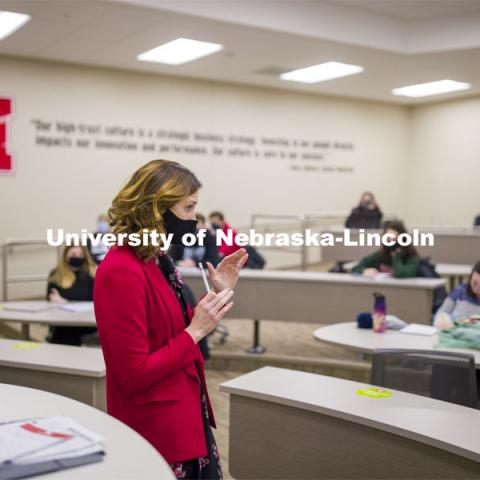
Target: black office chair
(447, 376)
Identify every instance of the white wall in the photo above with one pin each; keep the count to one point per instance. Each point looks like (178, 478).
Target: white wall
(62, 187)
(444, 165)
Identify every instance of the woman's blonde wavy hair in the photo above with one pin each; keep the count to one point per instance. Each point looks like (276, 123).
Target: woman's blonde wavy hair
(141, 203)
(63, 274)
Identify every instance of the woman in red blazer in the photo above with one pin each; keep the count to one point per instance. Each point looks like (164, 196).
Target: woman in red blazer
(149, 335)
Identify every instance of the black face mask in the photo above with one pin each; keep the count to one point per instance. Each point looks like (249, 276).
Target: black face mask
(393, 247)
(177, 226)
(76, 262)
(216, 226)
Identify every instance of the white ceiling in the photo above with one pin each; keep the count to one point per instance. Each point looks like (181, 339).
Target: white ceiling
(398, 42)
(415, 9)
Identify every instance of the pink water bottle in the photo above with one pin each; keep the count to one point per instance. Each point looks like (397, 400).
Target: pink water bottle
(379, 312)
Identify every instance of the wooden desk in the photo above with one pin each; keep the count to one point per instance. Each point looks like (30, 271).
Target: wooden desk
(348, 336)
(318, 297)
(52, 317)
(75, 372)
(128, 455)
(289, 424)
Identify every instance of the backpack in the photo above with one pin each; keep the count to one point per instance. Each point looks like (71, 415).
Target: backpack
(255, 260)
(338, 267)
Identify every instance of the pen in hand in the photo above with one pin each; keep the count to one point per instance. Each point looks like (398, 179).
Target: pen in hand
(204, 276)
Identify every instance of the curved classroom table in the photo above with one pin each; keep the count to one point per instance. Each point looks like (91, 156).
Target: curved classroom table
(321, 297)
(53, 315)
(75, 372)
(289, 424)
(348, 336)
(128, 455)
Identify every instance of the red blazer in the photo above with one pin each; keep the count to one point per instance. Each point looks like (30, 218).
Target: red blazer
(153, 364)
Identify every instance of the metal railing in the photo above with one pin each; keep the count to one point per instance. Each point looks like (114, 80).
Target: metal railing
(299, 223)
(7, 247)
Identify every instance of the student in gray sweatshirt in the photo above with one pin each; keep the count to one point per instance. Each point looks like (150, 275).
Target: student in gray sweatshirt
(462, 303)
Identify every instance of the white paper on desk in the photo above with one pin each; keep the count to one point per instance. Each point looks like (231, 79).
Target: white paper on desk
(382, 275)
(16, 441)
(417, 329)
(32, 307)
(77, 307)
(82, 442)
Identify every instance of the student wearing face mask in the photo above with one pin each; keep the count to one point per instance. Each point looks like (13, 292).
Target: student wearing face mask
(149, 333)
(366, 214)
(100, 248)
(71, 280)
(400, 262)
(217, 221)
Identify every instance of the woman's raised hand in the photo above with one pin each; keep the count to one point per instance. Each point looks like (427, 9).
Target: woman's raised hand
(227, 272)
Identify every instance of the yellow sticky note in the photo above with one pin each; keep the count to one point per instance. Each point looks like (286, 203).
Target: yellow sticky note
(373, 392)
(26, 345)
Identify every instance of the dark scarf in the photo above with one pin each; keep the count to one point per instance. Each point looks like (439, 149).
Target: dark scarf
(170, 271)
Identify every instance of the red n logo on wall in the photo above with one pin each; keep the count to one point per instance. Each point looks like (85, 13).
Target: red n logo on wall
(6, 164)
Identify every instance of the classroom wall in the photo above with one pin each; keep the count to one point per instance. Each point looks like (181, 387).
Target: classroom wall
(444, 163)
(350, 146)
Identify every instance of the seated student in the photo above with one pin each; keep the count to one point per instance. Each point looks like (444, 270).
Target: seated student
(191, 256)
(462, 304)
(401, 262)
(255, 259)
(71, 280)
(217, 220)
(99, 250)
(366, 215)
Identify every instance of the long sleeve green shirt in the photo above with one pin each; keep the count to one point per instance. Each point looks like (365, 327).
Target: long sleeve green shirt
(402, 268)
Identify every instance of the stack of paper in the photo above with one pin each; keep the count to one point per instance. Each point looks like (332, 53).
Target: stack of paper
(30, 447)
